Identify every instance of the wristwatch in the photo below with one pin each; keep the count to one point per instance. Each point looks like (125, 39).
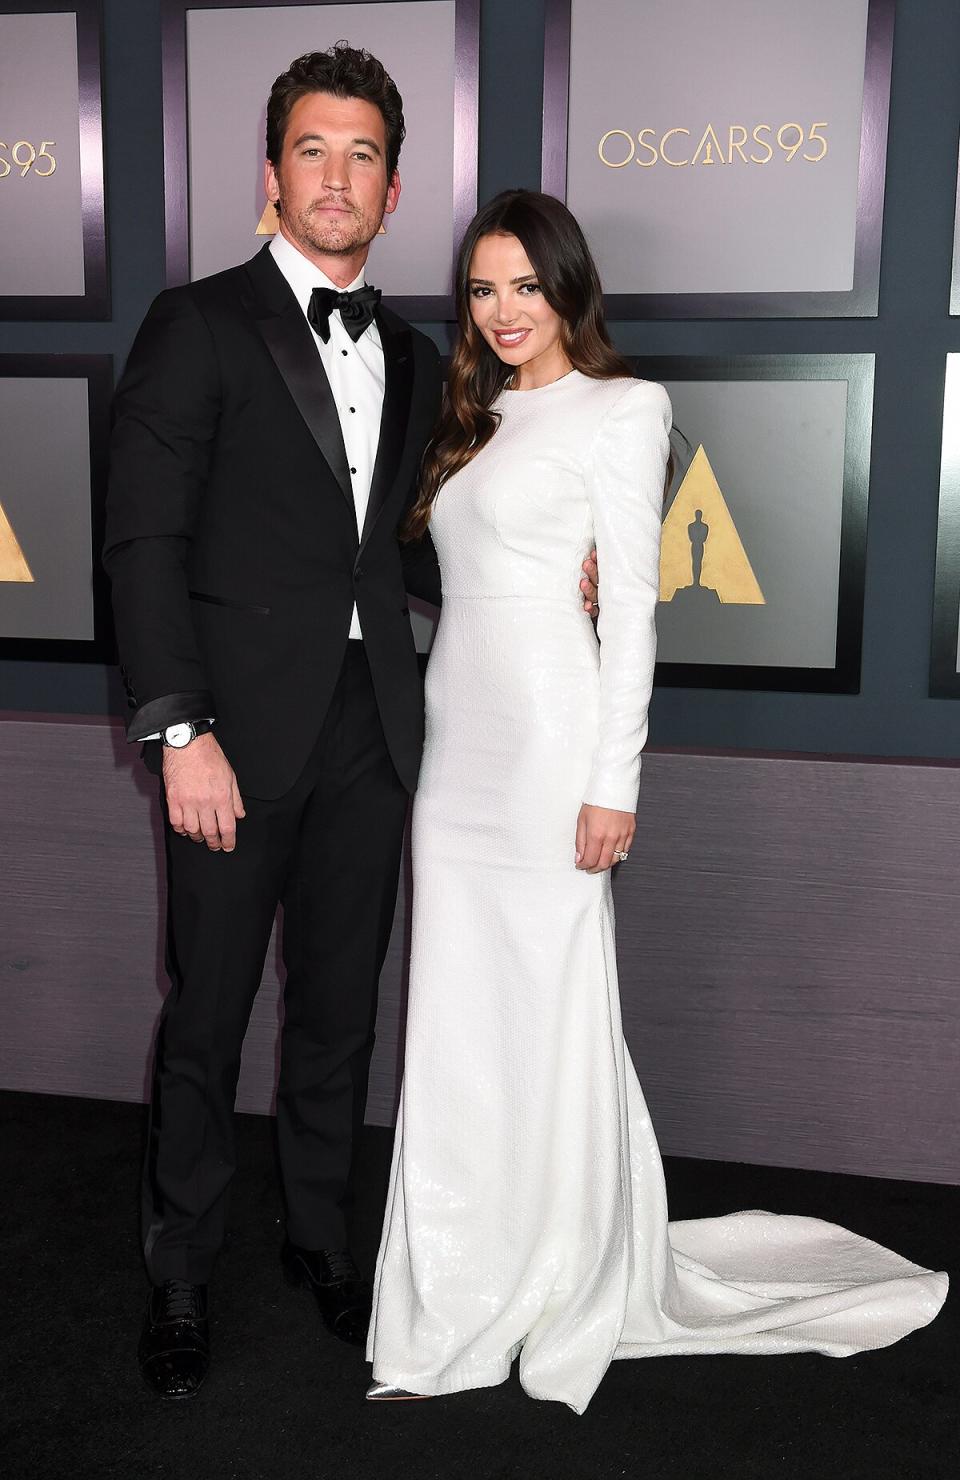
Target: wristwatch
(179, 736)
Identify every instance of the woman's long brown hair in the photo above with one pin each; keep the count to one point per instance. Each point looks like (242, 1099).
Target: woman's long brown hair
(560, 257)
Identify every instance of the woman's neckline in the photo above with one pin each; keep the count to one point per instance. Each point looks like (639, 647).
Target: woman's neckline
(535, 389)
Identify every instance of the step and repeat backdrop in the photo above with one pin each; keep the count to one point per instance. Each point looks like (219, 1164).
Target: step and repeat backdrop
(54, 262)
(728, 164)
(219, 62)
(725, 161)
(714, 179)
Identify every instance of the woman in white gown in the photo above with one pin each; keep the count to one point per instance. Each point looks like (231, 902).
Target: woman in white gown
(526, 1212)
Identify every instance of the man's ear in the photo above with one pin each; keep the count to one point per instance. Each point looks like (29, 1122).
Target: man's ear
(271, 183)
(393, 194)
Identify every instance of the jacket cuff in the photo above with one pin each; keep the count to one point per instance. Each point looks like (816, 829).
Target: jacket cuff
(170, 709)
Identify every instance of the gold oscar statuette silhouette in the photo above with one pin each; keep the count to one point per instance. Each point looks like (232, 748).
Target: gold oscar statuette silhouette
(702, 556)
(13, 562)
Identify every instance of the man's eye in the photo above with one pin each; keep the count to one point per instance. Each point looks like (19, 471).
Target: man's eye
(311, 153)
(360, 155)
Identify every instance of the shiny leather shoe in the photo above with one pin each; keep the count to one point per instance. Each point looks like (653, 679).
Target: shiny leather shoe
(174, 1351)
(342, 1293)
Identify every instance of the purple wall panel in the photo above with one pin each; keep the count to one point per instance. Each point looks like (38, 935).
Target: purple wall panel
(789, 936)
(789, 950)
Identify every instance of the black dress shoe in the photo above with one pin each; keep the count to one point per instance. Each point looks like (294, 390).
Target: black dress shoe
(343, 1295)
(174, 1351)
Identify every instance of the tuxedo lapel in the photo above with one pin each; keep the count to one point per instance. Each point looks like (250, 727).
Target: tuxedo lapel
(289, 339)
(397, 391)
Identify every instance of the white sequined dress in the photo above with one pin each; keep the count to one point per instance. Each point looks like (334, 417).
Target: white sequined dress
(526, 1212)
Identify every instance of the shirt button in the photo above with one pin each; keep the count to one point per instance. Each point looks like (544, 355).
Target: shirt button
(353, 408)
(353, 470)
(344, 353)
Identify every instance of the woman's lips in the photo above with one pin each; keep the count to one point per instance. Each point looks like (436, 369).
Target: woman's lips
(510, 338)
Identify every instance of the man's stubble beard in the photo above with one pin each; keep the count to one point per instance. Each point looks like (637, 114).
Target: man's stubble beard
(332, 239)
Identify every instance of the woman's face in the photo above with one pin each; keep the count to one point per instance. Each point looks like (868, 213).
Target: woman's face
(510, 311)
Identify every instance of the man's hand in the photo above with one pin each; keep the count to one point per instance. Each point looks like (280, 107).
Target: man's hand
(602, 832)
(589, 584)
(203, 799)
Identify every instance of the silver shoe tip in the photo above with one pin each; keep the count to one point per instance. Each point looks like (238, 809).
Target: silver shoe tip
(389, 1392)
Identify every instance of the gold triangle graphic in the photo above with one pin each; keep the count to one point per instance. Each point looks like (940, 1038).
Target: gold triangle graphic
(13, 562)
(699, 520)
(269, 223)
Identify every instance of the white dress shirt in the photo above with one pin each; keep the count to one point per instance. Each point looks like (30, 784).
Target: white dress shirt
(354, 371)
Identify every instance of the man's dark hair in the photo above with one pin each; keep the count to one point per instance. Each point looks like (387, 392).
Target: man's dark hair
(346, 72)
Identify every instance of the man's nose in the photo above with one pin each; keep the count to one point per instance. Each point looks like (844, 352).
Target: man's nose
(335, 174)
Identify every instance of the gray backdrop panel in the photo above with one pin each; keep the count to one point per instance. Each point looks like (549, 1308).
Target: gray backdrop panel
(776, 448)
(45, 491)
(41, 224)
(789, 932)
(955, 280)
(233, 57)
(950, 450)
(721, 228)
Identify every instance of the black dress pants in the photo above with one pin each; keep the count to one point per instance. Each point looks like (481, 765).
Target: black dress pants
(329, 851)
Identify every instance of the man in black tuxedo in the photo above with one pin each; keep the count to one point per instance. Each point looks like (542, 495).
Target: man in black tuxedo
(269, 428)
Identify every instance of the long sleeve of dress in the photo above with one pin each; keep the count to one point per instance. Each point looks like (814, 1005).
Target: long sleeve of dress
(625, 471)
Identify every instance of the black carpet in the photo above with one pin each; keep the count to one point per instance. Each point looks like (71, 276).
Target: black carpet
(286, 1401)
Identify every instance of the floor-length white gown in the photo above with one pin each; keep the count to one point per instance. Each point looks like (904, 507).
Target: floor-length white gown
(526, 1211)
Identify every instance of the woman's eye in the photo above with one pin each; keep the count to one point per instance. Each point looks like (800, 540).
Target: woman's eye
(478, 292)
(533, 287)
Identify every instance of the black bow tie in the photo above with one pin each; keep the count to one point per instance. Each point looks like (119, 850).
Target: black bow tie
(356, 310)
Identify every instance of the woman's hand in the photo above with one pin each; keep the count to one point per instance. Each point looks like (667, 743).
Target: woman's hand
(602, 832)
(588, 585)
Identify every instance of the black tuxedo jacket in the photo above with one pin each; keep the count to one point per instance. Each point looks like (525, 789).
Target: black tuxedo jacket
(231, 537)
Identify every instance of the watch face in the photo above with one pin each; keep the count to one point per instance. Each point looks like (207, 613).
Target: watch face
(178, 735)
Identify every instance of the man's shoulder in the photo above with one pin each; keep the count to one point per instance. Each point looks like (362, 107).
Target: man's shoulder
(207, 309)
(218, 288)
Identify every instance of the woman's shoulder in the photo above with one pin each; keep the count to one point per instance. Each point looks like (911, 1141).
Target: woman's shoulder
(625, 397)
